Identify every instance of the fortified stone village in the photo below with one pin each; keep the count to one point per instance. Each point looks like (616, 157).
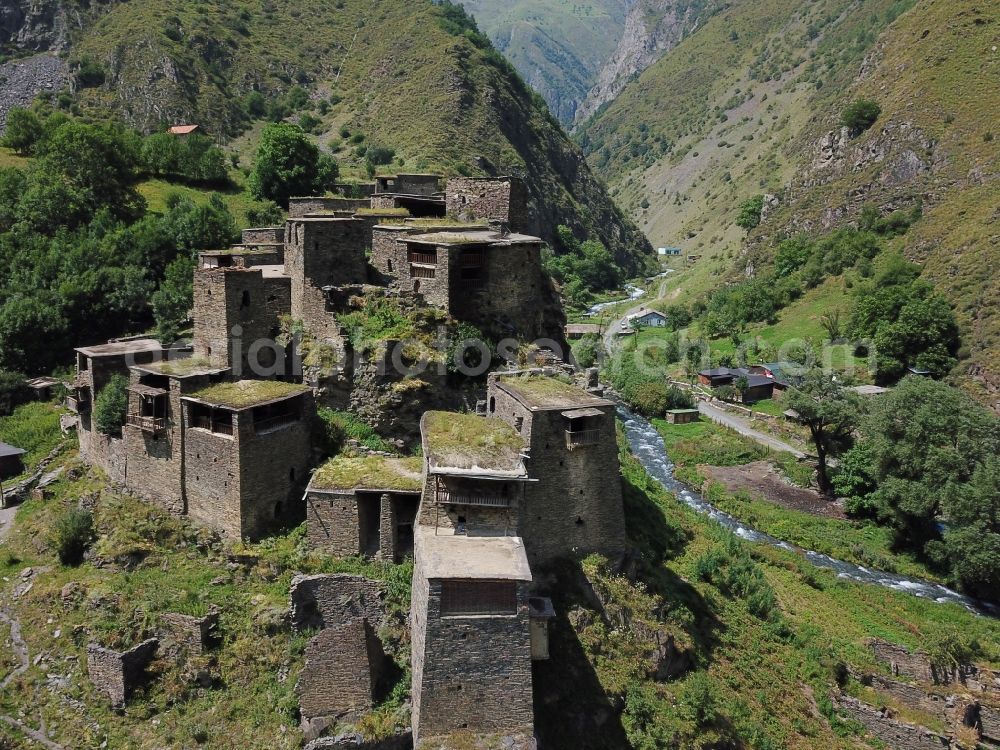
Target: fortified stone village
(512, 473)
(503, 483)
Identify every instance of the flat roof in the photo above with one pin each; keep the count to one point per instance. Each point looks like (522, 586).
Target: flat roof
(118, 348)
(582, 328)
(369, 473)
(469, 445)
(490, 558)
(272, 271)
(184, 367)
(478, 237)
(244, 394)
(541, 392)
(6, 449)
(324, 219)
(869, 390)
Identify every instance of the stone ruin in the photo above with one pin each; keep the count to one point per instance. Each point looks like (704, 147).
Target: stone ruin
(972, 699)
(189, 634)
(345, 662)
(116, 674)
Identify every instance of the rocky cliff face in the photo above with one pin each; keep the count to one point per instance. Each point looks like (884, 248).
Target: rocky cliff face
(34, 25)
(652, 28)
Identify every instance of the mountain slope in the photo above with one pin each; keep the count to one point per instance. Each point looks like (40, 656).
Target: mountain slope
(558, 46)
(413, 77)
(651, 28)
(751, 103)
(934, 75)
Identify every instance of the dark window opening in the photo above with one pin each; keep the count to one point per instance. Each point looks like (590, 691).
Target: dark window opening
(209, 418)
(478, 598)
(388, 265)
(277, 511)
(291, 474)
(272, 416)
(245, 301)
(493, 404)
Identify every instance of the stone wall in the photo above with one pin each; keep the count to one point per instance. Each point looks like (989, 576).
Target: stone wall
(212, 482)
(893, 733)
(389, 255)
(263, 236)
(233, 309)
(345, 523)
(989, 721)
(115, 673)
(300, 207)
(103, 451)
(193, 635)
(514, 296)
(320, 601)
(343, 668)
(576, 506)
(469, 673)
(384, 201)
(273, 471)
(321, 253)
(478, 521)
(931, 703)
(500, 199)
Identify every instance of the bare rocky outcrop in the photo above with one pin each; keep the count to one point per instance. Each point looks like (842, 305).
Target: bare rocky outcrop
(895, 734)
(35, 25)
(652, 28)
(22, 80)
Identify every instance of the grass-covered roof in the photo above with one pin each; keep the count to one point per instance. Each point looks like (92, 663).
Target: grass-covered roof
(369, 473)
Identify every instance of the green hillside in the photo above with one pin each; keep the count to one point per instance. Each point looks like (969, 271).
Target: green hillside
(412, 77)
(751, 104)
(558, 46)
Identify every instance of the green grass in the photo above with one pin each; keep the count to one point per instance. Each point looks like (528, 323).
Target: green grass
(398, 76)
(369, 472)
(245, 393)
(858, 542)
(771, 677)
(346, 426)
(33, 427)
(176, 567)
(705, 442)
(9, 159)
(467, 440)
(156, 193)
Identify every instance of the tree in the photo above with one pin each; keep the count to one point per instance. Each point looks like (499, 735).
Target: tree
(24, 131)
(111, 405)
(13, 392)
(173, 300)
(288, 164)
(750, 213)
(860, 115)
(928, 468)
(831, 324)
(830, 411)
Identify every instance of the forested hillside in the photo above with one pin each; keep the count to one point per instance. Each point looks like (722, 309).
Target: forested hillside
(396, 85)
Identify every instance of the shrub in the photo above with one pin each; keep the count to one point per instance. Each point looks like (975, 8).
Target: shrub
(89, 74)
(750, 213)
(73, 534)
(698, 701)
(13, 392)
(110, 406)
(860, 115)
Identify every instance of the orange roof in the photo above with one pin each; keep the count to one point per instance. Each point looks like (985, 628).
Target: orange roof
(182, 129)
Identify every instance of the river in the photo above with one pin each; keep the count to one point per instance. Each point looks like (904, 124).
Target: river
(648, 447)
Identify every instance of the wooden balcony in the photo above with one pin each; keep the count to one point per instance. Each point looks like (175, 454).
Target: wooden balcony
(429, 259)
(582, 438)
(477, 499)
(204, 423)
(275, 423)
(146, 424)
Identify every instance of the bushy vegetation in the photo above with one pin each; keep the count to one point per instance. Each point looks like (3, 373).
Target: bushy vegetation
(640, 376)
(82, 253)
(337, 427)
(926, 465)
(582, 268)
(860, 115)
(289, 164)
(73, 534)
(907, 323)
(13, 391)
(111, 405)
(750, 212)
